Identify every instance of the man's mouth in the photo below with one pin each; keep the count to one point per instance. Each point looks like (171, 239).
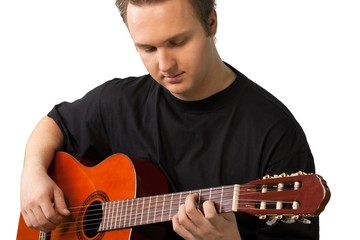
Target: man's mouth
(175, 78)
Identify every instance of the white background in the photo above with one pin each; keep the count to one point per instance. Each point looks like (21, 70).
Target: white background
(304, 52)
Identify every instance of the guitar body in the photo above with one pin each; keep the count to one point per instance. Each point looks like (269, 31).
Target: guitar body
(86, 186)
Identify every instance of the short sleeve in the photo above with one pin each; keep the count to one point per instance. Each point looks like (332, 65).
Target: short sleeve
(82, 126)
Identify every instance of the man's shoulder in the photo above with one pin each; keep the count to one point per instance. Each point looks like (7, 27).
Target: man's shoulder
(129, 85)
(259, 106)
(131, 81)
(133, 91)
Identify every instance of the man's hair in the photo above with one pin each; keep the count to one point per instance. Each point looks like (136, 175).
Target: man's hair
(202, 8)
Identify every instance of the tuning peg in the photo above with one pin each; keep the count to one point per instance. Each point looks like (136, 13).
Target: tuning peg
(271, 221)
(288, 220)
(304, 220)
(267, 176)
(299, 173)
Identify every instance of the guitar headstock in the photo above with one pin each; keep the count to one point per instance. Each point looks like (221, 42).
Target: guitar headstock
(287, 197)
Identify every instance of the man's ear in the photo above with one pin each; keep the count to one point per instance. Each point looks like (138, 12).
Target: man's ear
(213, 23)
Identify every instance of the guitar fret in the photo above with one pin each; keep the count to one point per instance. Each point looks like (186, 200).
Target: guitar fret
(116, 209)
(171, 201)
(112, 214)
(103, 222)
(148, 215)
(180, 197)
(162, 210)
(221, 199)
(123, 211)
(215, 198)
(156, 201)
(136, 212)
(112, 211)
(120, 214)
(142, 211)
(116, 214)
(126, 207)
(107, 215)
(130, 213)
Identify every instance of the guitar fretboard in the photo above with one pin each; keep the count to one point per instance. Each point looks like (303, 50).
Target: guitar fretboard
(146, 210)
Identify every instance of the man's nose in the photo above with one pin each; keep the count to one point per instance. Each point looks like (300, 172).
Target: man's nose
(166, 60)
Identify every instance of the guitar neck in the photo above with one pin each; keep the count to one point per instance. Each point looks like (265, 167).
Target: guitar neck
(155, 209)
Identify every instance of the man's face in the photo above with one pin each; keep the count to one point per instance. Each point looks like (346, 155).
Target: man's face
(173, 46)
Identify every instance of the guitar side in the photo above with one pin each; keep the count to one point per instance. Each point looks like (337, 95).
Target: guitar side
(84, 187)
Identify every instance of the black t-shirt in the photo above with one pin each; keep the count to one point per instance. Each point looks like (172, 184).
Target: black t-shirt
(237, 135)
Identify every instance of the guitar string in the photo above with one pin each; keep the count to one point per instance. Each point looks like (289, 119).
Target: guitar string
(75, 226)
(164, 204)
(183, 194)
(204, 193)
(156, 213)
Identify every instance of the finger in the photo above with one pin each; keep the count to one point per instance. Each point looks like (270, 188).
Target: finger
(184, 219)
(31, 220)
(60, 204)
(210, 212)
(179, 229)
(27, 219)
(50, 214)
(54, 212)
(40, 221)
(191, 209)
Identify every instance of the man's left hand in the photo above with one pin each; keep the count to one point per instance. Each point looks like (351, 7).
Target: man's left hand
(191, 223)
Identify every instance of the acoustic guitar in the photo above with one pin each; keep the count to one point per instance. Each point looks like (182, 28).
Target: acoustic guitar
(121, 198)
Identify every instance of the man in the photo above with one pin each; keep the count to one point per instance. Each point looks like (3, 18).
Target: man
(203, 122)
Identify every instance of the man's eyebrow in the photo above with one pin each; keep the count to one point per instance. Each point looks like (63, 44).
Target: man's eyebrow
(142, 46)
(172, 38)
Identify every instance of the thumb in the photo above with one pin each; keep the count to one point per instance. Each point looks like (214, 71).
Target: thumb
(60, 204)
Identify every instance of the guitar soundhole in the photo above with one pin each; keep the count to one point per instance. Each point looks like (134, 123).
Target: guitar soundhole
(92, 219)
(90, 216)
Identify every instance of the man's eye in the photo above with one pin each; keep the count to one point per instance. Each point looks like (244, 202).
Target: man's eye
(177, 43)
(149, 49)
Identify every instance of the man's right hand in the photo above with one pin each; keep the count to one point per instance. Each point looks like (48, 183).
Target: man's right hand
(42, 202)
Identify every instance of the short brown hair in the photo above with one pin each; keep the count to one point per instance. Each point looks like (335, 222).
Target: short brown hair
(202, 9)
